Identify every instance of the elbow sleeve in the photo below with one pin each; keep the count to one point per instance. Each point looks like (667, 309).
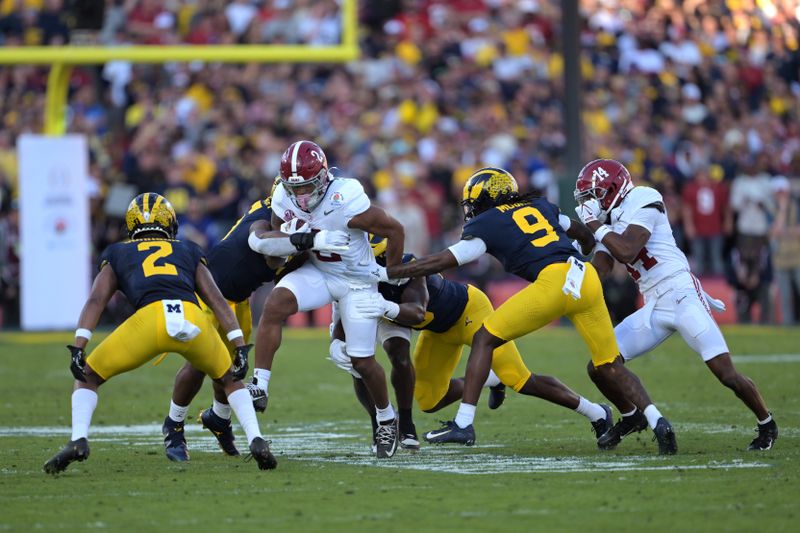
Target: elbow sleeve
(275, 246)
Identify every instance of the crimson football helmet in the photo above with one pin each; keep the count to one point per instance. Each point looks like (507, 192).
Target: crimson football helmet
(604, 180)
(304, 174)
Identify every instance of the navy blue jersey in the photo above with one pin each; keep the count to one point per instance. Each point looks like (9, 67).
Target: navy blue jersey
(446, 300)
(148, 270)
(525, 236)
(236, 268)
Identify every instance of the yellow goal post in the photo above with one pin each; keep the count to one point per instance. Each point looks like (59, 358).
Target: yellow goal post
(62, 59)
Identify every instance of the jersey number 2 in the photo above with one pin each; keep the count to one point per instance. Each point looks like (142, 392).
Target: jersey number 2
(541, 224)
(163, 249)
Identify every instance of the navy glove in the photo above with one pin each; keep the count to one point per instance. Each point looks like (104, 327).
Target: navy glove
(240, 365)
(78, 363)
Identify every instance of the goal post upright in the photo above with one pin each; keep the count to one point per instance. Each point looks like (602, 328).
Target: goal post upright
(63, 59)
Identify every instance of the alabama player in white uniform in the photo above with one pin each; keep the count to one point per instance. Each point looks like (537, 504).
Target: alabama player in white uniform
(337, 216)
(630, 225)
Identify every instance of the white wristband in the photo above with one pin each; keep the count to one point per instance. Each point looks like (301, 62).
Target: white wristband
(601, 232)
(83, 332)
(232, 334)
(391, 310)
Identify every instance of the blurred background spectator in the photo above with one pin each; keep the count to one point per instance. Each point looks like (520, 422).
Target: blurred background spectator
(786, 233)
(694, 96)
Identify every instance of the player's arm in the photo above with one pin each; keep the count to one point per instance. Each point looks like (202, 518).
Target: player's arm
(577, 231)
(292, 238)
(103, 288)
(461, 253)
(209, 292)
(602, 262)
(625, 247)
(413, 303)
(376, 220)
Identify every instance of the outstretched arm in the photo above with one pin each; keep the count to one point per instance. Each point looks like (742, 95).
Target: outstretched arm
(624, 248)
(209, 292)
(582, 234)
(103, 288)
(376, 220)
(422, 267)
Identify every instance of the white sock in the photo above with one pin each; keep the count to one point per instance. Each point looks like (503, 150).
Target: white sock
(465, 415)
(590, 410)
(222, 410)
(492, 380)
(385, 414)
(630, 414)
(652, 414)
(242, 405)
(84, 402)
(766, 420)
(177, 412)
(262, 378)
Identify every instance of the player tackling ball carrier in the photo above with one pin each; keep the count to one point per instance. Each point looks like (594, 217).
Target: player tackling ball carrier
(332, 217)
(630, 225)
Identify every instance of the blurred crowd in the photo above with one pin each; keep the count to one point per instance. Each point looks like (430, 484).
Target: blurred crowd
(700, 99)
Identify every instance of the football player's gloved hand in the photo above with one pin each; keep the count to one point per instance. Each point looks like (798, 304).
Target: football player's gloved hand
(589, 211)
(240, 365)
(375, 306)
(78, 362)
(294, 226)
(378, 275)
(322, 241)
(338, 354)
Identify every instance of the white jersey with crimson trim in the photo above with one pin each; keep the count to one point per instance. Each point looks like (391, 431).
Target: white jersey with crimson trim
(344, 199)
(660, 258)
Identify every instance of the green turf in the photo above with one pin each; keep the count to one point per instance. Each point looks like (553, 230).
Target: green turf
(529, 446)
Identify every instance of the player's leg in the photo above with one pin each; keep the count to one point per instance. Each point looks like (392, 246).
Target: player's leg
(360, 333)
(698, 328)
(396, 342)
(301, 290)
(615, 381)
(436, 357)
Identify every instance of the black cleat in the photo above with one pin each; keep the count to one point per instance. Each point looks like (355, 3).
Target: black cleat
(624, 427)
(259, 450)
(174, 440)
(258, 396)
(665, 436)
(450, 432)
(222, 430)
(601, 425)
(386, 439)
(767, 435)
(497, 395)
(75, 450)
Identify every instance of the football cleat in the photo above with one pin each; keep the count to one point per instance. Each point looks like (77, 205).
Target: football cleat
(450, 432)
(601, 425)
(767, 435)
(497, 395)
(75, 450)
(409, 439)
(258, 395)
(174, 440)
(624, 427)
(259, 450)
(222, 430)
(386, 439)
(663, 433)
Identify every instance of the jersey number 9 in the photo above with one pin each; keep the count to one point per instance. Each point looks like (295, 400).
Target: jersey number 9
(149, 266)
(521, 217)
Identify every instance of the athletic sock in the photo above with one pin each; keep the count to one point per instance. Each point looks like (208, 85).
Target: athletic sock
(405, 420)
(242, 405)
(177, 412)
(374, 423)
(492, 380)
(590, 410)
(766, 420)
(652, 414)
(262, 376)
(222, 410)
(84, 402)
(465, 415)
(629, 414)
(385, 414)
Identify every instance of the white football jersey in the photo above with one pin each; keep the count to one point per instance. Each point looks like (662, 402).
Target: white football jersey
(660, 258)
(344, 199)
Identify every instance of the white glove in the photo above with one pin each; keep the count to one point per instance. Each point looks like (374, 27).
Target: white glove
(376, 306)
(290, 227)
(589, 211)
(338, 354)
(377, 275)
(331, 241)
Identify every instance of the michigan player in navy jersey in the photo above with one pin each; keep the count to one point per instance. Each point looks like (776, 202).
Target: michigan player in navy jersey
(532, 240)
(160, 276)
(238, 272)
(448, 314)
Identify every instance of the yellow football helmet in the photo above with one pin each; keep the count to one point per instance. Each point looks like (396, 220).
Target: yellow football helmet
(486, 188)
(151, 212)
(378, 244)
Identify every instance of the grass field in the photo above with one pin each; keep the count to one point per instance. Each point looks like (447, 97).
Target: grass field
(535, 466)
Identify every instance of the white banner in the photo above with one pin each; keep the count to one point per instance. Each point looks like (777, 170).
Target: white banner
(55, 232)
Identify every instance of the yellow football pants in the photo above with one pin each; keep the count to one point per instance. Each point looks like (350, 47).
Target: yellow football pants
(543, 301)
(436, 355)
(143, 336)
(243, 316)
